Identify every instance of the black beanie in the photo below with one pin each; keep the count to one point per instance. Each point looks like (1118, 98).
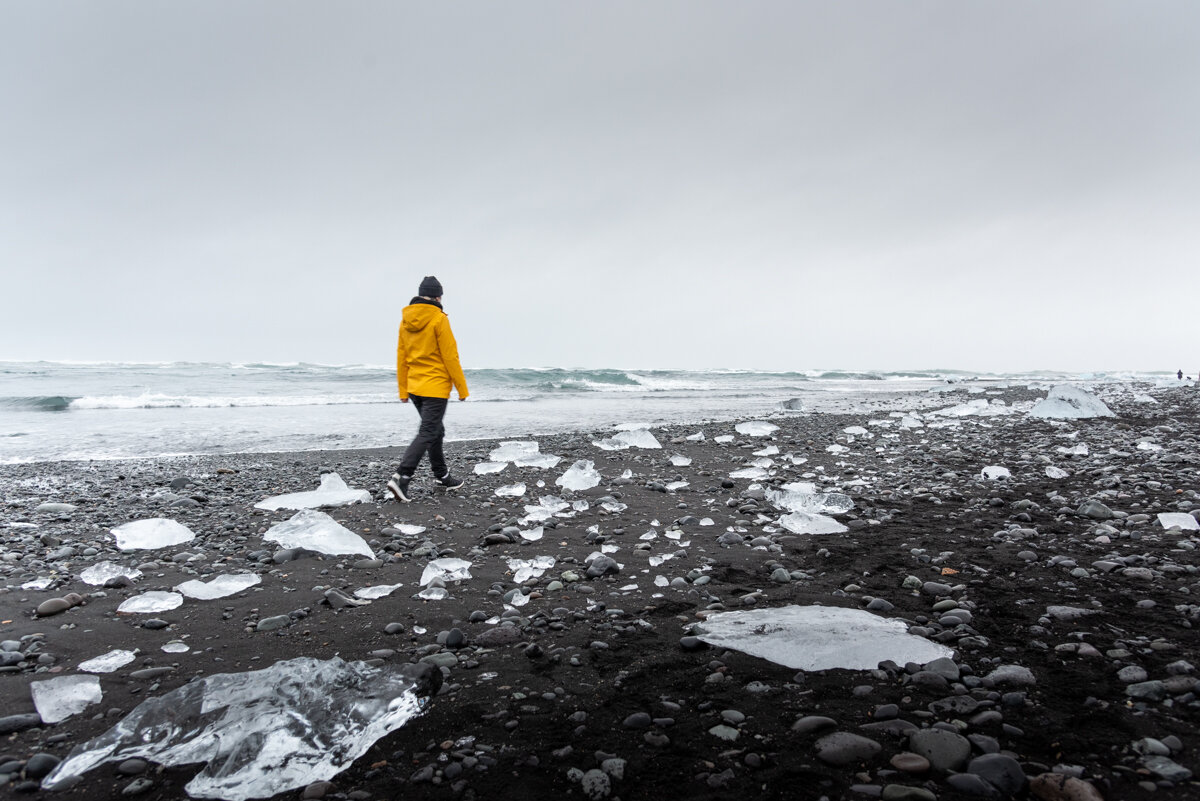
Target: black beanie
(430, 288)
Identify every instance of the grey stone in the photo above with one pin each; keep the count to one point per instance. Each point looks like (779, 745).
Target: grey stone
(843, 748)
(40, 765)
(813, 723)
(12, 723)
(945, 750)
(273, 623)
(1001, 771)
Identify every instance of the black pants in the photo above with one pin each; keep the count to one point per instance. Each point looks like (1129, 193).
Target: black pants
(429, 437)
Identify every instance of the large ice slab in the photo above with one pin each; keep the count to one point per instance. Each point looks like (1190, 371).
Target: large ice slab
(580, 476)
(332, 492)
(819, 637)
(264, 732)
(1067, 402)
(151, 602)
(810, 523)
(1183, 520)
(223, 585)
(109, 662)
(101, 572)
(317, 531)
(157, 532)
(60, 698)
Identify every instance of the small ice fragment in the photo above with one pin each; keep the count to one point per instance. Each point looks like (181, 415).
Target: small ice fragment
(418, 629)
(750, 472)
(533, 534)
(1056, 472)
(661, 581)
(580, 476)
(157, 532)
(518, 598)
(679, 460)
(857, 431)
(995, 473)
(627, 473)
(526, 569)
(627, 588)
(756, 428)
(1077, 450)
(433, 594)
(1067, 402)
(317, 531)
(511, 491)
(770, 450)
(809, 523)
(835, 448)
(176, 647)
(637, 438)
(264, 732)
(107, 663)
(152, 601)
(332, 492)
(224, 585)
(378, 591)
(723, 439)
(608, 547)
(1181, 519)
(613, 507)
(580, 505)
(542, 461)
(707, 521)
(801, 497)
(513, 449)
(409, 530)
(99, 573)
(649, 535)
(697, 437)
(40, 583)
(673, 486)
(60, 698)
(1146, 445)
(483, 468)
(447, 569)
(819, 638)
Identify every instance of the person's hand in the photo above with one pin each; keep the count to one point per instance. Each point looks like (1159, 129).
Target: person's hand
(404, 400)
(461, 398)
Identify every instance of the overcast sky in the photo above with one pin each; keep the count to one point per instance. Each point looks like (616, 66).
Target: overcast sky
(774, 185)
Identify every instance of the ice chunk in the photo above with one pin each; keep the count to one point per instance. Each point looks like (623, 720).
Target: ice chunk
(526, 569)
(580, 476)
(483, 468)
(511, 491)
(756, 428)
(101, 572)
(549, 505)
(810, 523)
(175, 647)
(264, 732)
(819, 638)
(157, 532)
(223, 585)
(533, 534)
(680, 460)
(995, 473)
(580, 505)
(38, 583)
(542, 461)
(152, 601)
(637, 438)
(447, 569)
(1075, 450)
(60, 698)
(513, 449)
(108, 663)
(975, 408)
(378, 591)
(332, 492)
(613, 507)
(1056, 472)
(750, 472)
(857, 431)
(723, 439)
(836, 449)
(433, 594)
(673, 486)
(1067, 402)
(1182, 519)
(1145, 445)
(1142, 397)
(770, 450)
(806, 500)
(518, 598)
(317, 531)
(697, 437)
(409, 530)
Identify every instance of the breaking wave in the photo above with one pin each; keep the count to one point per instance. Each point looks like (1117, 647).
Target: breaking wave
(39, 403)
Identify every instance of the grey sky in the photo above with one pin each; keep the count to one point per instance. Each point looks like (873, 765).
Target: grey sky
(780, 185)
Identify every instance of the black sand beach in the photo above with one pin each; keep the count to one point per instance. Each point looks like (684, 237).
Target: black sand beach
(591, 690)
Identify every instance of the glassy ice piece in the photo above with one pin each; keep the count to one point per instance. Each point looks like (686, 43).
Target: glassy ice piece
(1182, 519)
(756, 428)
(447, 569)
(676, 485)
(1075, 450)
(750, 472)
(152, 601)
(512, 450)
(526, 569)
(264, 732)
(770, 450)
(818, 637)
(679, 460)
(911, 421)
(580, 476)
(511, 491)
(995, 473)
(580, 505)
(409, 530)
(317, 531)
(542, 461)
(835, 448)
(697, 437)
(1056, 472)
(762, 462)
(157, 532)
(176, 647)
(223, 585)
(38, 583)
(483, 468)
(723, 439)
(793, 500)
(60, 698)
(638, 438)
(801, 486)
(707, 521)
(108, 663)
(518, 598)
(1066, 402)
(533, 534)
(810, 523)
(857, 431)
(433, 594)
(1145, 445)
(101, 572)
(661, 581)
(332, 492)
(378, 591)
(613, 507)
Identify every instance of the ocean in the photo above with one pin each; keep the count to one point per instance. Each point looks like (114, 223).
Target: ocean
(67, 411)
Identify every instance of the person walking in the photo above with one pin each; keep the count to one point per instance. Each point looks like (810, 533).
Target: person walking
(426, 367)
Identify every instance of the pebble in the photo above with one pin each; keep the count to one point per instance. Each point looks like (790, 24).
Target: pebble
(844, 748)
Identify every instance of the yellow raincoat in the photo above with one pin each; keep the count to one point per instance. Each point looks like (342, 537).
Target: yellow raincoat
(427, 355)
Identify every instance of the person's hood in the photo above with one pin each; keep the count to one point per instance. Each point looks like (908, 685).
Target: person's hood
(420, 313)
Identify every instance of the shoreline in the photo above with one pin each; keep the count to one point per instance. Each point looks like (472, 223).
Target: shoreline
(592, 669)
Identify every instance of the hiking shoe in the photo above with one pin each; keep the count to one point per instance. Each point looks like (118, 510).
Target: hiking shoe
(450, 482)
(398, 486)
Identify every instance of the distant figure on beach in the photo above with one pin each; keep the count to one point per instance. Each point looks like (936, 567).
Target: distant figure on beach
(426, 367)
(1180, 375)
